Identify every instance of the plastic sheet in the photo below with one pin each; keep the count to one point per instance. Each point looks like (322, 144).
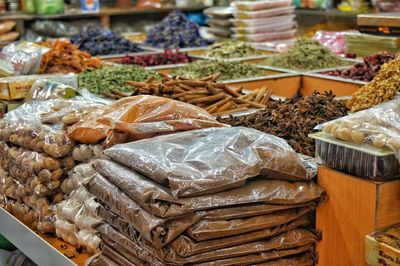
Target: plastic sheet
(44, 89)
(158, 231)
(81, 174)
(210, 160)
(159, 201)
(141, 117)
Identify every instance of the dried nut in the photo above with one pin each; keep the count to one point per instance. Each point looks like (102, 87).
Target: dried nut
(394, 143)
(379, 140)
(57, 174)
(45, 176)
(41, 190)
(357, 136)
(51, 164)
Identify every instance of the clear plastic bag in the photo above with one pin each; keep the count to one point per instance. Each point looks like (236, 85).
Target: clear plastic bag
(260, 5)
(44, 89)
(81, 174)
(207, 161)
(22, 58)
(140, 117)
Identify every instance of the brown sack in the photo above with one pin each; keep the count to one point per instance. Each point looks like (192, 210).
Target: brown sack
(207, 161)
(305, 259)
(253, 259)
(185, 246)
(159, 201)
(140, 117)
(206, 229)
(156, 230)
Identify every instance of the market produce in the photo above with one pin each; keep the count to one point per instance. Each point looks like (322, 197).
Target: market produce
(196, 224)
(168, 57)
(365, 71)
(175, 31)
(65, 57)
(97, 41)
(113, 78)
(6, 33)
(230, 49)
(306, 54)
(228, 70)
(293, 119)
(384, 87)
(216, 98)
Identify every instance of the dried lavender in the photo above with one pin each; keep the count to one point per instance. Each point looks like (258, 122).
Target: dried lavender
(175, 31)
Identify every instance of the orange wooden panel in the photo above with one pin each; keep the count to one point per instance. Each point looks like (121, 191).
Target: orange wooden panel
(388, 211)
(340, 88)
(345, 218)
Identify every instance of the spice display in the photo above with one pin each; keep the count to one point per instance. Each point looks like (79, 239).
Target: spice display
(230, 49)
(306, 54)
(65, 57)
(113, 78)
(228, 70)
(201, 225)
(293, 119)
(365, 71)
(97, 41)
(215, 98)
(168, 57)
(175, 31)
(384, 87)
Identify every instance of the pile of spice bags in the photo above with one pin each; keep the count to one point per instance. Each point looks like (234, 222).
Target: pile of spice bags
(216, 196)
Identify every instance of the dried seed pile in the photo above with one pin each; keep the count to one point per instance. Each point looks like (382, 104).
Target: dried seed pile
(216, 98)
(384, 87)
(230, 49)
(293, 119)
(305, 55)
(228, 70)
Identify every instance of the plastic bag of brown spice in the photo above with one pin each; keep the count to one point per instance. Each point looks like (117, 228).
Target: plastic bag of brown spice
(140, 117)
(159, 201)
(206, 229)
(207, 161)
(118, 258)
(305, 259)
(100, 260)
(122, 251)
(156, 230)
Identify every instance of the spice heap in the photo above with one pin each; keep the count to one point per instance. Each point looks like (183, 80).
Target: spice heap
(98, 41)
(216, 98)
(306, 54)
(65, 57)
(384, 87)
(209, 214)
(228, 70)
(230, 49)
(365, 71)
(293, 119)
(168, 57)
(175, 31)
(113, 78)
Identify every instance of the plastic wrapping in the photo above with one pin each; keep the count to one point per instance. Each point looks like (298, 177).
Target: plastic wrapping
(81, 174)
(262, 22)
(305, 259)
(333, 40)
(272, 27)
(117, 257)
(260, 5)
(210, 160)
(206, 230)
(264, 13)
(266, 36)
(140, 117)
(44, 90)
(21, 58)
(159, 201)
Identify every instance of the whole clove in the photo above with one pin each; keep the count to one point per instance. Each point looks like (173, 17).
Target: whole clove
(230, 49)
(228, 70)
(293, 119)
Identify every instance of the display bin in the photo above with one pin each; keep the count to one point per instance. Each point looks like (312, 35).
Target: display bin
(44, 250)
(378, 252)
(354, 208)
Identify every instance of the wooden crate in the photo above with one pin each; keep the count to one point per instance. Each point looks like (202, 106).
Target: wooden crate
(354, 208)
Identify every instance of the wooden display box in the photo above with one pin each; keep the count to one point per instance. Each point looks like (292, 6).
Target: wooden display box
(354, 208)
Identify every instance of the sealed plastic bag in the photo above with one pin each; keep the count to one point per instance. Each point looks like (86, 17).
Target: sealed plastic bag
(158, 200)
(140, 117)
(210, 160)
(305, 259)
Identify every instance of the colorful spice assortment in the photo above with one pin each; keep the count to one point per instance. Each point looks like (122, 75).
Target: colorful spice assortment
(98, 41)
(384, 87)
(365, 71)
(175, 31)
(65, 57)
(168, 57)
(230, 49)
(216, 98)
(293, 119)
(228, 70)
(113, 78)
(306, 54)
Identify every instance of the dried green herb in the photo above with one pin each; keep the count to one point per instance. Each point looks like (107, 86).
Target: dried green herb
(306, 54)
(230, 49)
(228, 70)
(113, 78)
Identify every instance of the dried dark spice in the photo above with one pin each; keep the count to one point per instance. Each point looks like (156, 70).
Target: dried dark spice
(293, 119)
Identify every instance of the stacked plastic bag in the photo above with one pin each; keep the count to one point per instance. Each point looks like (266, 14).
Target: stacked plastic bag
(220, 196)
